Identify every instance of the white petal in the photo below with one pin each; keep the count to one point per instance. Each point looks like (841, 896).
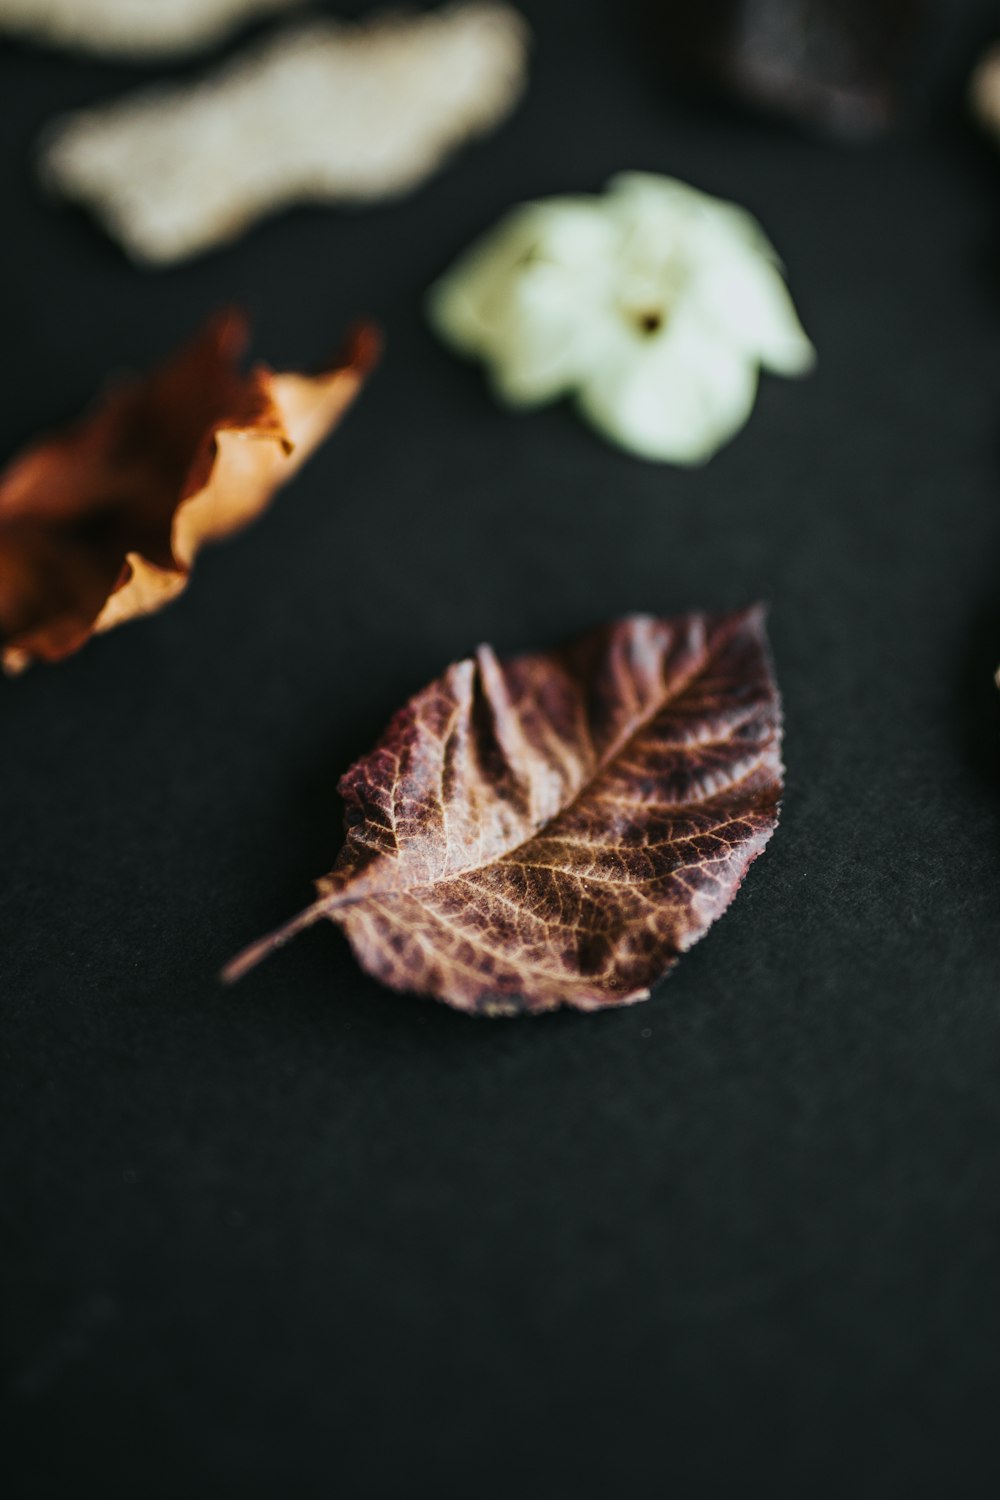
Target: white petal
(469, 304)
(667, 206)
(748, 303)
(541, 348)
(526, 295)
(734, 271)
(462, 305)
(678, 397)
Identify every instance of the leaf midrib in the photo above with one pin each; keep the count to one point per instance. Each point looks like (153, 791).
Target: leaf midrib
(710, 653)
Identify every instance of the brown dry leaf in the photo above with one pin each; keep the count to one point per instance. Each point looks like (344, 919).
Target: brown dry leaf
(847, 67)
(557, 829)
(102, 523)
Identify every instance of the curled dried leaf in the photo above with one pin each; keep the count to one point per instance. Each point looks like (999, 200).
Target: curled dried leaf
(101, 523)
(332, 112)
(557, 829)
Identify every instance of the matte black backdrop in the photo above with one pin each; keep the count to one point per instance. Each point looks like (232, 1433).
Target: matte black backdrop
(307, 1238)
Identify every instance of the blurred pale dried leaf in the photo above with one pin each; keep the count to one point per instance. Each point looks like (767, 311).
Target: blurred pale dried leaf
(132, 28)
(328, 112)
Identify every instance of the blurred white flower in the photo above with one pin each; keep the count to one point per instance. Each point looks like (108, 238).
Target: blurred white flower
(654, 306)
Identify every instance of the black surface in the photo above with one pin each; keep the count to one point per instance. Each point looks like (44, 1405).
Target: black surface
(306, 1238)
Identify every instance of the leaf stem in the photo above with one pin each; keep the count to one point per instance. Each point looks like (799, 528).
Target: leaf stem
(251, 956)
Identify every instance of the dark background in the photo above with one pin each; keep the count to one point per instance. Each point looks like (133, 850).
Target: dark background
(308, 1238)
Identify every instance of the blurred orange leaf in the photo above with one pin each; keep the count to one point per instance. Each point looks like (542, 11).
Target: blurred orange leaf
(101, 523)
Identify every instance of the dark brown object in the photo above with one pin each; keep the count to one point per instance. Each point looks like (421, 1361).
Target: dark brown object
(102, 523)
(556, 830)
(844, 66)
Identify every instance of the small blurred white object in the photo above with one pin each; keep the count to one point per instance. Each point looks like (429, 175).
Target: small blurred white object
(328, 112)
(984, 89)
(653, 306)
(132, 28)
